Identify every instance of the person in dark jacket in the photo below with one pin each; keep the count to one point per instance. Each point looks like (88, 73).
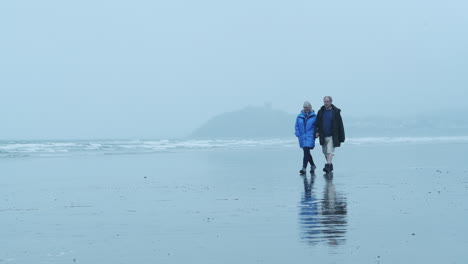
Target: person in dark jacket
(305, 133)
(330, 130)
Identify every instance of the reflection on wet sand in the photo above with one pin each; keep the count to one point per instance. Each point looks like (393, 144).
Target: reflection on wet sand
(308, 214)
(323, 220)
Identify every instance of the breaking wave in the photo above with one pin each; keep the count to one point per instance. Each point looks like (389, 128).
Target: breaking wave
(109, 147)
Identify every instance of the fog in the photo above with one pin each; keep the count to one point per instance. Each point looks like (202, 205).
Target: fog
(160, 69)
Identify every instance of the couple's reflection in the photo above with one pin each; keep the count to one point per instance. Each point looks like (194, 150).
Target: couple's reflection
(323, 220)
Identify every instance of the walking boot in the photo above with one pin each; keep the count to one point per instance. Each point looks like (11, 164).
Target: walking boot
(331, 167)
(325, 169)
(303, 170)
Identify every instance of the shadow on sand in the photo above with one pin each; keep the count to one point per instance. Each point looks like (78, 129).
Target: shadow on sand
(322, 220)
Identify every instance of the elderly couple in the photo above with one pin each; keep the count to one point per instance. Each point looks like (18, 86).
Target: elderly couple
(327, 125)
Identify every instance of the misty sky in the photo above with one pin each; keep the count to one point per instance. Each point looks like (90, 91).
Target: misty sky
(154, 69)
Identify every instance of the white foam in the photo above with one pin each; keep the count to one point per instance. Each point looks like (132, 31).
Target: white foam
(51, 148)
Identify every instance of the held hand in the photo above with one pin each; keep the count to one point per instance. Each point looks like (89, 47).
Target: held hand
(316, 135)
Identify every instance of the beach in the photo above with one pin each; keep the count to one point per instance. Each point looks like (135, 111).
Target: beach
(400, 201)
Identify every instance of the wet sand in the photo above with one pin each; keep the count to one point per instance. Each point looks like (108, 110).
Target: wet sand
(399, 203)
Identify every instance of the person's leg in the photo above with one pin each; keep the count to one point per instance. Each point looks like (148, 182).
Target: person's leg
(330, 154)
(329, 162)
(328, 150)
(311, 160)
(325, 150)
(305, 160)
(329, 158)
(325, 153)
(308, 157)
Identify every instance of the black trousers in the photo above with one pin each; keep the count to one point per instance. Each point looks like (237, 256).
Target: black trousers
(307, 157)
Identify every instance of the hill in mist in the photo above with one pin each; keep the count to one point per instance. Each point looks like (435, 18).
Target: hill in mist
(249, 122)
(266, 122)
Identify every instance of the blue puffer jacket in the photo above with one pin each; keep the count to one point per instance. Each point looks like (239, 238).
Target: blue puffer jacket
(305, 129)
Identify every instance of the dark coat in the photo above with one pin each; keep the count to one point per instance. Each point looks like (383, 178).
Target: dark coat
(338, 132)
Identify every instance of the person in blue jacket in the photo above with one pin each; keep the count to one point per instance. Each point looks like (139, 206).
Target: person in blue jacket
(305, 133)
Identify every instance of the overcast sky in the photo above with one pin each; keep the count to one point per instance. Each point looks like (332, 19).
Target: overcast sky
(156, 69)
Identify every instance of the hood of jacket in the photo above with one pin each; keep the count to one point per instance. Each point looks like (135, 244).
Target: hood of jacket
(302, 114)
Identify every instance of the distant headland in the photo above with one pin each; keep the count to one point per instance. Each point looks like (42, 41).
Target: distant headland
(249, 122)
(267, 122)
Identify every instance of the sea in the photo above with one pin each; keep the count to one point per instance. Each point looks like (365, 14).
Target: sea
(47, 148)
